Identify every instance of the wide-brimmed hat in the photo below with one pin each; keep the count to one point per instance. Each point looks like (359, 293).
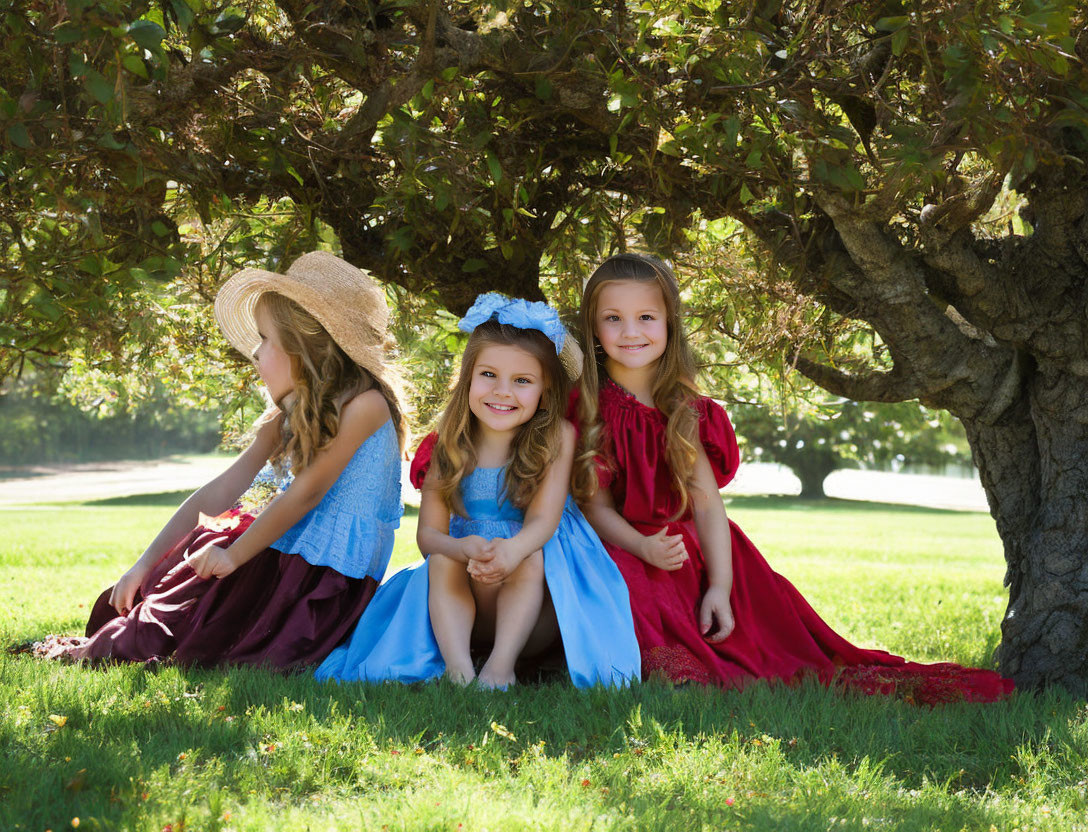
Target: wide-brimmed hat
(344, 299)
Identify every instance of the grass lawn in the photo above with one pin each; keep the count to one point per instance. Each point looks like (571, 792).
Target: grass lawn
(187, 749)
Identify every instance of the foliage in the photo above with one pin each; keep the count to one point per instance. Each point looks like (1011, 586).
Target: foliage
(40, 424)
(817, 435)
(904, 186)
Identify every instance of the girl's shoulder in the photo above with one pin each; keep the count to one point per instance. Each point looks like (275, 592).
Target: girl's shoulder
(365, 411)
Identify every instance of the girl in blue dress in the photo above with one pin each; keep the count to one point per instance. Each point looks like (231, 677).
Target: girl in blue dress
(511, 564)
(279, 578)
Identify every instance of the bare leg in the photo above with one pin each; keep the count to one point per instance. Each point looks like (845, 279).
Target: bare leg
(516, 613)
(546, 630)
(453, 611)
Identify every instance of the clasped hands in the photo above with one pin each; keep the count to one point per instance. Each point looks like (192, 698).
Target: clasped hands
(489, 561)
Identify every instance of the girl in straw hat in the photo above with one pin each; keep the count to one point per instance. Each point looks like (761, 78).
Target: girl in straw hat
(281, 586)
(512, 565)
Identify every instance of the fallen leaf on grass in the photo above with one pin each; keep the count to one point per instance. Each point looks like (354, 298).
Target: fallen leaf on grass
(78, 781)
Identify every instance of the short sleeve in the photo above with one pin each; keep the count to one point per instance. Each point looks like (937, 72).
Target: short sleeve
(421, 462)
(719, 441)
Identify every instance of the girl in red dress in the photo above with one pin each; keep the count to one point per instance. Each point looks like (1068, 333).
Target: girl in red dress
(652, 455)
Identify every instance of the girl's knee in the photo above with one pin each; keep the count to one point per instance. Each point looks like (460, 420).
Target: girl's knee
(532, 568)
(441, 568)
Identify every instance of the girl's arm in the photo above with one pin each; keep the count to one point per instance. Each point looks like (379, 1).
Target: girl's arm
(433, 528)
(659, 549)
(359, 418)
(212, 498)
(541, 518)
(712, 528)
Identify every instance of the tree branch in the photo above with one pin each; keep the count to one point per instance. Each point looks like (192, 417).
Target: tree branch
(893, 386)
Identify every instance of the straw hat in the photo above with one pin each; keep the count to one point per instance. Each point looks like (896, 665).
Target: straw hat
(345, 300)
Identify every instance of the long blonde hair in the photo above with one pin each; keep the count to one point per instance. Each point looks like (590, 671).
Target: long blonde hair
(536, 443)
(325, 378)
(674, 389)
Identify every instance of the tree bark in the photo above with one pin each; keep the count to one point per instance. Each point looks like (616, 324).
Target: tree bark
(1034, 467)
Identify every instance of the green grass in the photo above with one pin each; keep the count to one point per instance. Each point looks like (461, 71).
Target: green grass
(248, 750)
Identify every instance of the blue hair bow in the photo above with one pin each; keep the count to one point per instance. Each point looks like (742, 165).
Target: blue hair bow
(523, 314)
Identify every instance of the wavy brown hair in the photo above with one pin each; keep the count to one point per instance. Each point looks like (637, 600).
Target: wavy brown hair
(674, 390)
(325, 379)
(537, 442)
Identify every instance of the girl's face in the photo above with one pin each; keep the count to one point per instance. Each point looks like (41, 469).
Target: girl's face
(273, 364)
(506, 386)
(631, 323)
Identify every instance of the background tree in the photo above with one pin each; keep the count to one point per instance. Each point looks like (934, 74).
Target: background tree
(910, 179)
(818, 435)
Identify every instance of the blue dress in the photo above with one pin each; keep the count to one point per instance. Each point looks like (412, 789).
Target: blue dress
(394, 640)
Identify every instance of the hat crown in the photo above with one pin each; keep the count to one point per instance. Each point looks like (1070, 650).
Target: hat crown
(344, 299)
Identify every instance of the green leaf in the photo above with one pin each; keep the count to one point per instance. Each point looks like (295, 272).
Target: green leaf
(68, 32)
(228, 24)
(900, 39)
(146, 33)
(473, 264)
(182, 14)
(77, 64)
(135, 65)
(493, 165)
(99, 87)
(428, 89)
(294, 174)
(17, 134)
(892, 24)
(543, 88)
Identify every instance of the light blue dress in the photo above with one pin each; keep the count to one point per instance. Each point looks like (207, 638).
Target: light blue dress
(394, 640)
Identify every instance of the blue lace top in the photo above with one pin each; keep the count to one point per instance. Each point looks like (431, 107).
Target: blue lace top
(351, 529)
(489, 513)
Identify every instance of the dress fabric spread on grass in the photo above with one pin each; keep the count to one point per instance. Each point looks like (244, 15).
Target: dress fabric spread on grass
(777, 634)
(285, 608)
(394, 639)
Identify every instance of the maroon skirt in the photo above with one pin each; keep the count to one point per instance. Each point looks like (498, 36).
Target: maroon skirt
(277, 610)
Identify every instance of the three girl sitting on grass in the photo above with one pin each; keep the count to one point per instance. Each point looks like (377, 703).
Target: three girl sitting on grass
(652, 580)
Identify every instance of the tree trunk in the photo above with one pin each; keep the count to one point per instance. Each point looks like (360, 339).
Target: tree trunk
(812, 470)
(1034, 467)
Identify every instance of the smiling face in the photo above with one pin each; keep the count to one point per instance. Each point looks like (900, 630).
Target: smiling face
(631, 324)
(507, 383)
(272, 362)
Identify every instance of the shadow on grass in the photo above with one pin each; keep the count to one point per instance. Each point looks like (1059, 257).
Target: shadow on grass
(119, 745)
(175, 498)
(165, 498)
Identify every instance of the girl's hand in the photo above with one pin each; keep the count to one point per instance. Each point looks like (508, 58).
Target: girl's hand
(474, 547)
(124, 591)
(211, 562)
(498, 561)
(664, 551)
(715, 607)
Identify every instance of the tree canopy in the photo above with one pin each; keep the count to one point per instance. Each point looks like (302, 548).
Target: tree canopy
(908, 179)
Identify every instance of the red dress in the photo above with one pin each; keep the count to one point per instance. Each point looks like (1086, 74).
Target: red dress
(777, 634)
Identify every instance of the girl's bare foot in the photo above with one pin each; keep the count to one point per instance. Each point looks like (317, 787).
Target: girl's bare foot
(496, 680)
(460, 675)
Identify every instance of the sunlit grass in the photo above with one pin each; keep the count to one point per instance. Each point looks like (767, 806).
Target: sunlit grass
(125, 748)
